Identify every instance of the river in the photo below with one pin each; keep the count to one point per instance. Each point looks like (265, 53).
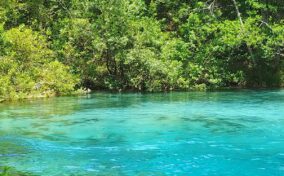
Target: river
(180, 133)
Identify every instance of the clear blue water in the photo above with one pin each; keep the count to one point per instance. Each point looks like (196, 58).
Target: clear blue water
(213, 133)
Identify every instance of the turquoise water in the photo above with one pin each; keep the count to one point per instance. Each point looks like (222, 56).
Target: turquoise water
(214, 133)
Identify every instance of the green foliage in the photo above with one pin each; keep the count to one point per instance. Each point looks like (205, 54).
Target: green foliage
(26, 47)
(27, 67)
(144, 45)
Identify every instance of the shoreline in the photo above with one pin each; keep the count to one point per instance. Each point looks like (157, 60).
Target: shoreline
(88, 92)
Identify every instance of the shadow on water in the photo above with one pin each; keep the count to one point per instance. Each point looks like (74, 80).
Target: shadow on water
(217, 125)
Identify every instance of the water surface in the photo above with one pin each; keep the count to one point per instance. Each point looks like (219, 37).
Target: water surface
(213, 133)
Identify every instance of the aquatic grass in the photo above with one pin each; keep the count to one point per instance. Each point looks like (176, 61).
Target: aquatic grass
(10, 171)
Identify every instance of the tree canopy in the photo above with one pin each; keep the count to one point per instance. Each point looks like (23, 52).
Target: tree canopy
(57, 46)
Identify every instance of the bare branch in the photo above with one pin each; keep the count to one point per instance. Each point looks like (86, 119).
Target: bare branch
(266, 24)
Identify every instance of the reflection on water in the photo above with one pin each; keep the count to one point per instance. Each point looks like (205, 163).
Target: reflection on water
(213, 133)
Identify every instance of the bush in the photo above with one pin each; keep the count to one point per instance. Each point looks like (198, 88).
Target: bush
(28, 69)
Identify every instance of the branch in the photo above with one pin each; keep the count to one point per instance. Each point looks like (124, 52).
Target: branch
(266, 24)
(211, 7)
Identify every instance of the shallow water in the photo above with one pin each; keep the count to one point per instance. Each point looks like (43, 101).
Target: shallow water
(213, 133)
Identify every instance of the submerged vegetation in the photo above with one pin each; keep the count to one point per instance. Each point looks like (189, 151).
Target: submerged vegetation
(56, 47)
(9, 171)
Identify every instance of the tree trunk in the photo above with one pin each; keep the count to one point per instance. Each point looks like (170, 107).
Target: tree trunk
(243, 30)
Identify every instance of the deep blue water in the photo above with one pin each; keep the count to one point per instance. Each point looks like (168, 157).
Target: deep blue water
(213, 133)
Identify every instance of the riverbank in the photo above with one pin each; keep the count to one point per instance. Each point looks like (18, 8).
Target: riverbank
(82, 92)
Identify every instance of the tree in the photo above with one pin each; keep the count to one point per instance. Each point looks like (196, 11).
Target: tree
(27, 67)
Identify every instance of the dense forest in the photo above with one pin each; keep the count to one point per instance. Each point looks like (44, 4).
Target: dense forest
(60, 47)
